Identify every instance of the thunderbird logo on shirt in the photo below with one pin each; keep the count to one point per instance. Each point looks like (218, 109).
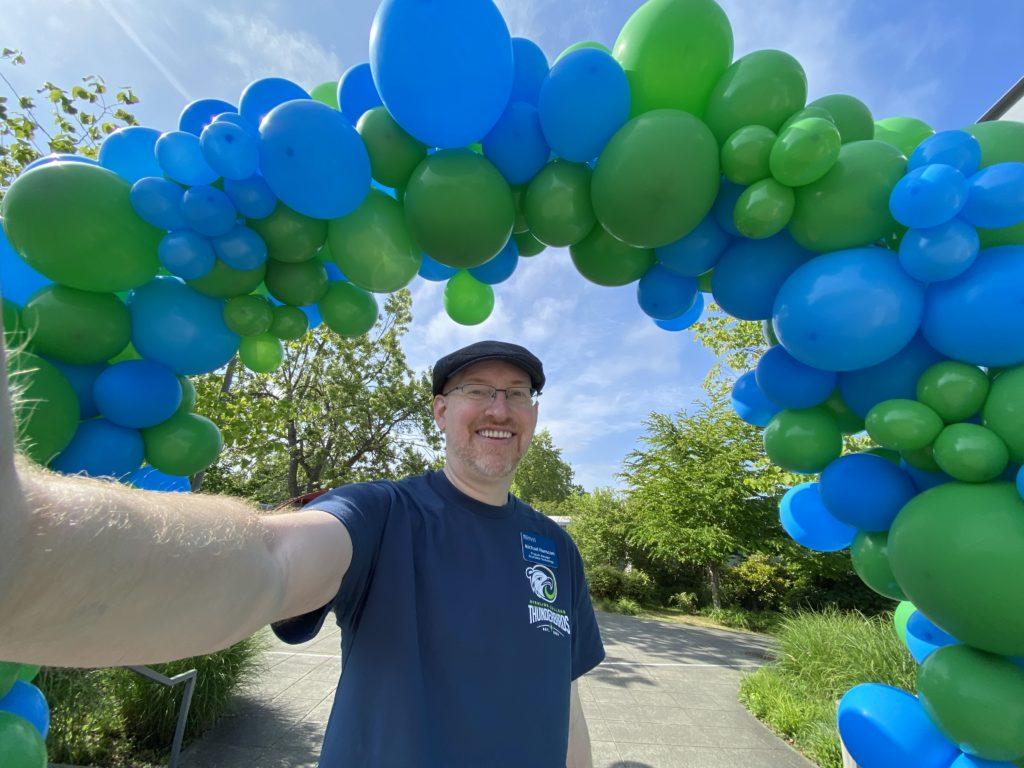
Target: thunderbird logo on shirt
(543, 584)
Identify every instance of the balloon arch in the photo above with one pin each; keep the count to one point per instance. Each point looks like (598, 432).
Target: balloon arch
(885, 259)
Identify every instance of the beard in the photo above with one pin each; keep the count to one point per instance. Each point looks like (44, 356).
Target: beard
(491, 464)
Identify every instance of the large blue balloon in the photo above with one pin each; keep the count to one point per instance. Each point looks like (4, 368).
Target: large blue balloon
(151, 479)
(807, 521)
(231, 150)
(664, 294)
(750, 273)
(500, 268)
(435, 271)
(130, 153)
(181, 158)
(956, 148)
(685, 320)
(996, 196)
(27, 701)
(357, 93)
(530, 68)
(939, 253)
(179, 327)
(101, 449)
(928, 196)
(252, 197)
(895, 378)
(158, 202)
(81, 378)
(976, 317)
(924, 637)
(242, 248)
(847, 310)
(18, 281)
(261, 96)
(583, 102)
(233, 118)
(750, 402)
(207, 210)
(186, 254)
(865, 490)
(199, 114)
(789, 383)
(314, 160)
(443, 70)
(137, 393)
(971, 761)
(516, 144)
(697, 252)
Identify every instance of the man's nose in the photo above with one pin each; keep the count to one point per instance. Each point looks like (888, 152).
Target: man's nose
(499, 403)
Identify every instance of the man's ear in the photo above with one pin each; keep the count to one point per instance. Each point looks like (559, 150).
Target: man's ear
(440, 411)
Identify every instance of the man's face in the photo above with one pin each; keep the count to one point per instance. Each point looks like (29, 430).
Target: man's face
(487, 438)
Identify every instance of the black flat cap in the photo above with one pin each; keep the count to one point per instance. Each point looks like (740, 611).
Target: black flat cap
(451, 364)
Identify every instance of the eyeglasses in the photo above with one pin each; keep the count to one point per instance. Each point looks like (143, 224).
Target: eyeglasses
(516, 397)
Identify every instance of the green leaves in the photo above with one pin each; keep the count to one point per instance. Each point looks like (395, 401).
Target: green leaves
(543, 478)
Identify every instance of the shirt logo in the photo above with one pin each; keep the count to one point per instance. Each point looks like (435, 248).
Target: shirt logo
(542, 582)
(546, 616)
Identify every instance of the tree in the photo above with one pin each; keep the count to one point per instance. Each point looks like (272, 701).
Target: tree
(600, 526)
(543, 477)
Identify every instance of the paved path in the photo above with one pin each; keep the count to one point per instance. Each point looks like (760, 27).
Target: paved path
(665, 697)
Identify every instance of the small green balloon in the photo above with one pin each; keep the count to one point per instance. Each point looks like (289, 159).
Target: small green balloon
(326, 93)
(394, 154)
(901, 616)
(870, 556)
(893, 457)
(805, 151)
(372, 245)
(904, 133)
(28, 672)
(745, 154)
(976, 699)
(289, 323)
(261, 354)
(1002, 141)
(851, 116)
(9, 672)
(557, 204)
(803, 441)
(656, 179)
(806, 113)
(183, 445)
(849, 205)
(21, 745)
(79, 327)
(348, 310)
(903, 425)
(248, 315)
(15, 334)
(922, 458)
(1003, 412)
(298, 284)
(847, 419)
(955, 391)
(74, 223)
(518, 196)
(289, 235)
(604, 260)
(45, 409)
(466, 300)
(704, 281)
(188, 395)
(580, 46)
(970, 453)
(763, 209)
(527, 244)
(673, 53)
(224, 282)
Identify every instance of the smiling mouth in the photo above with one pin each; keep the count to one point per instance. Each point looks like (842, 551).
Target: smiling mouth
(495, 434)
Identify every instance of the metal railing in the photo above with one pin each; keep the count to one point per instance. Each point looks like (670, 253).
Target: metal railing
(189, 679)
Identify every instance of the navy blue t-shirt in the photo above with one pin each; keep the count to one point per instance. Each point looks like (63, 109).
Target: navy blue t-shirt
(463, 624)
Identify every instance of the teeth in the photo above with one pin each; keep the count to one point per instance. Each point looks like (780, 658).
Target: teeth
(495, 433)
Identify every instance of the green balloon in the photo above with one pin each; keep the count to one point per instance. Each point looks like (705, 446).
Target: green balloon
(15, 334)
(870, 556)
(903, 425)
(745, 154)
(128, 353)
(849, 205)
(955, 391)
(224, 282)
(763, 209)
(1002, 141)
(518, 195)
(900, 617)
(893, 457)
(248, 315)
(847, 419)
(602, 259)
(803, 441)
(656, 179)
(805, 151)
(348, 310)
(581, 45)
(704, 281)
(904, 133)
(78, 327)
(188, 395)
(326, 93)
(298, 284)
(527, 244)
(9, 672)
(459, 208)
(851, 116)
(804, 114)
(1003, 412)
(673, 53)
(1012, 235)
(761, 88)
(45, 409)
(183, 445)
(289, 235)
(21, 745)
(74, 223)
(922, 458)
(970, 452)
(28, 672)
(768, 332)
(289, 323)
(394, 154)
(261, 354)
(466, 300)
(372, 245)
(557, 204)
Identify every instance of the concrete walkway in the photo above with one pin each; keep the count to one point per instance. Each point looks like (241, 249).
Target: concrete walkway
(665, 697)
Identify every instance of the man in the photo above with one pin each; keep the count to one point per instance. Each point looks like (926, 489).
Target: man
(465, 614)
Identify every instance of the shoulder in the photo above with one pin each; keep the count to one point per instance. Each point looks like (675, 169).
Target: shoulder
(378, 493)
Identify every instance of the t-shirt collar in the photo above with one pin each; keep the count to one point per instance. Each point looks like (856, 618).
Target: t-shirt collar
(439, 481)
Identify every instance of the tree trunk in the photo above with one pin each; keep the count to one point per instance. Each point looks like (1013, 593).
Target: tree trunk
(714, 579)
(293, 461)
(196, 481)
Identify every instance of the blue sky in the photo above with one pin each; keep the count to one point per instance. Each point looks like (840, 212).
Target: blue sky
(943, 61)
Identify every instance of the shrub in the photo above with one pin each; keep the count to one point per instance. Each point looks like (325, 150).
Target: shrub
(606, 582)
(84, 719)
(638, 586)
(761, 582)
(627, 606)
(739, 618)
(684, 601)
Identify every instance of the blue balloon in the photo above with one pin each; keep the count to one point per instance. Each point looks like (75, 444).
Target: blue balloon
(231, 150)
(922, 479)
(81, 378)
(18, 281)
(750, 273)
(151, 479)
(865, 490)
(196, 116)
(971, 761)
(1020, 481)
(252, 197)
(158, 202)
(996, 196)
(939, 253)
(101, 449)
(241, 248)
(58, 157)
(233, 118)
(847, 310)
(685, 320)
(130, 153)
(789, 383)
(583, 102)
(314, 160)
(924, 637)
(807, 521)
(500, 268)
(530, 67)
(664, 294)
(956, 148)
(435, 271)
(137, 393)
(207, 210)
(443, 70)
(181, 159)
(884, 727)
(357, 93)
(28, 702)
(928, 196)
(312, 312)
(695, 253)
(750, 402)
(728, 193)
(261, 96)
(334, 275)
(976, 317)
(516, 144)
(180, 327)
(186, 254)
(895, 378)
